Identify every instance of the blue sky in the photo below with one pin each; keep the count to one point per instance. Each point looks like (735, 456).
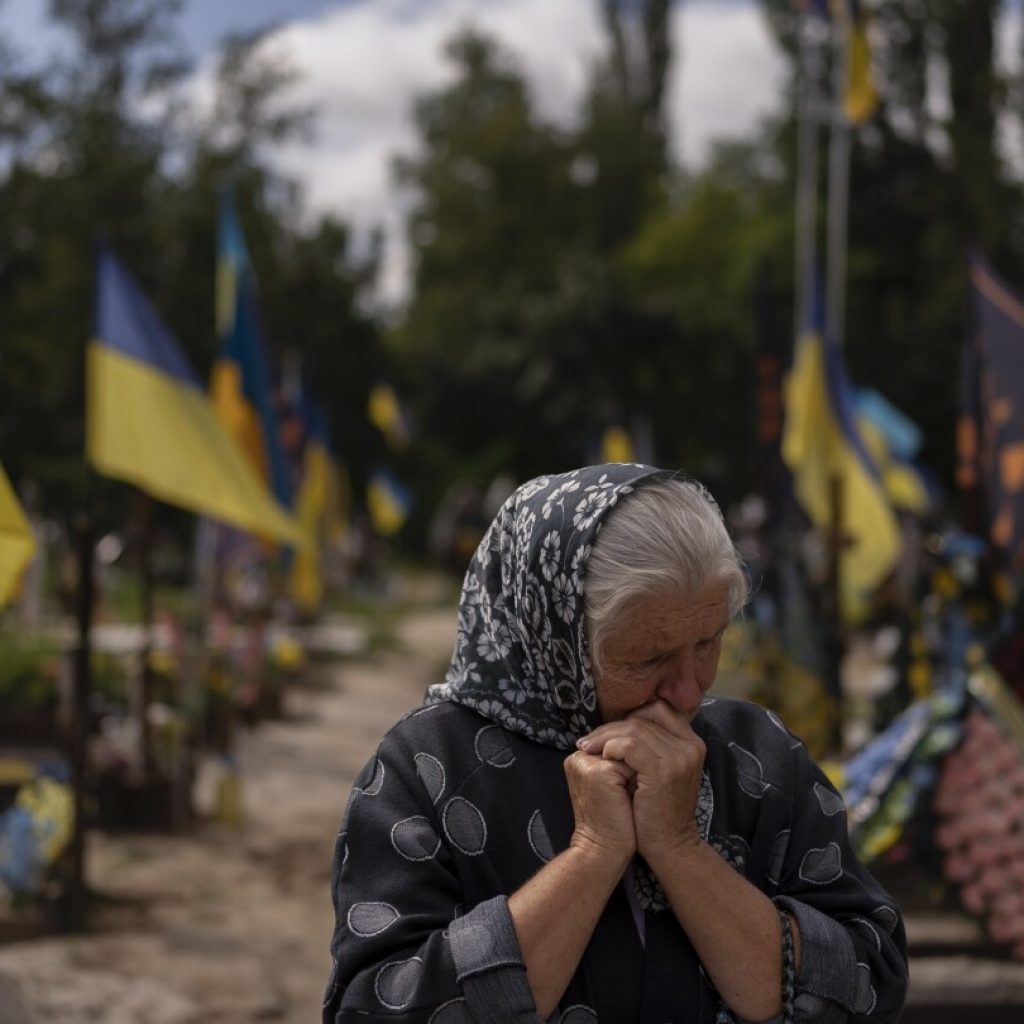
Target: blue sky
(202, 23)
(206, 21)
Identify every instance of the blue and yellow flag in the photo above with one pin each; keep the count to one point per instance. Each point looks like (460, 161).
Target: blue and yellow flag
(820, 442)
(388, 501)
(902, 435)
(241, 378)
(893, 440)
(905, 485)
(990, 439)
(17, 542)
(150, 422)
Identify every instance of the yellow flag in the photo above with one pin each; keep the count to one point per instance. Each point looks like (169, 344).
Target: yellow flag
(388, 502)
(306, 579)
(385, 413)
(17, 542)
(820, 441)
(903, 484)
(861, 95)
(616, 445)
(150, 422)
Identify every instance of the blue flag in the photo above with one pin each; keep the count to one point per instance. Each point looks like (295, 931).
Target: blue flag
(150, 422)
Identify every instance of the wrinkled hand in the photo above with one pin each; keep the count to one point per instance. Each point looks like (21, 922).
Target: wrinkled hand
(599, 791)
(659, 747)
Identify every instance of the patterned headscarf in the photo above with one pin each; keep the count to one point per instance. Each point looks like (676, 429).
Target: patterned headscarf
(521, 655)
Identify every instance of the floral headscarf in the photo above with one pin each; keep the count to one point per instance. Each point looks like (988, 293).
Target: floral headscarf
(521, 655)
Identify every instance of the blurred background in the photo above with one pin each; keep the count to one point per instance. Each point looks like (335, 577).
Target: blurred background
(293, 293)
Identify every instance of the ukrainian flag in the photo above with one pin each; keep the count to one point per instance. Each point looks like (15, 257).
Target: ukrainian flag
(905, 486)
(821, 441)
(893, 440)
(17, 542)
(388, 501)
(150, 422)
(240, 384)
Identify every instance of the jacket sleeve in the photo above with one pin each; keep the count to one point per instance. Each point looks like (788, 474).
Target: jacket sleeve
(853, 959)
(405, 948)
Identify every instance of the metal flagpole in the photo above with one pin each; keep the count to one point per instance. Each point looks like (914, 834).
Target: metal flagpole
(835, 311)
(808, 103)
(811, 104)
(838, 180)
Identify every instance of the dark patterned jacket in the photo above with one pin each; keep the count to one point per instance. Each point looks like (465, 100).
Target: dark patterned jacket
(454, 813)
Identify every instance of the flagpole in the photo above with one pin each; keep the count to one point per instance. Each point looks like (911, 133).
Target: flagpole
(807, 175)
(835, 316)
(144, 511)
(76, 897)
(838, 182)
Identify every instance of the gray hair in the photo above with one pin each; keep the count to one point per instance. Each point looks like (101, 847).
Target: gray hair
(667, 536)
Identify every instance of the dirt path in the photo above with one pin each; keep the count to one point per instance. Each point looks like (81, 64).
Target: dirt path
(231, 925)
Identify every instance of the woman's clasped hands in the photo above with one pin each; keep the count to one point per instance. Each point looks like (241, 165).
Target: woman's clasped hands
(634, 784)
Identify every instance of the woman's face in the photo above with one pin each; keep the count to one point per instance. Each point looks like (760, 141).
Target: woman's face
(664, 647)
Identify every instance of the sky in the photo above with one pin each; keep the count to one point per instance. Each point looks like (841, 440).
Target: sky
(363, 63)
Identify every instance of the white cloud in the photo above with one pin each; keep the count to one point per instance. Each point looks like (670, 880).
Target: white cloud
(363, 66)
(727, 76)
(1009, 34)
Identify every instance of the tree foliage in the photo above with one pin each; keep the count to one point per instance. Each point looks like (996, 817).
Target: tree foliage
(564, 276)
(520, 336)
(929, 181)
(104, 147)
(568, 277)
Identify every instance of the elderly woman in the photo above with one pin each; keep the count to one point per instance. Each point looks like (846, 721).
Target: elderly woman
(571, 829)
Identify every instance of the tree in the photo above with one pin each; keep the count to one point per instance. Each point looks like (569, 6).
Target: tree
(568, 279)
(495, 204)
(82, 165)
(88, 159)
(694, 265)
